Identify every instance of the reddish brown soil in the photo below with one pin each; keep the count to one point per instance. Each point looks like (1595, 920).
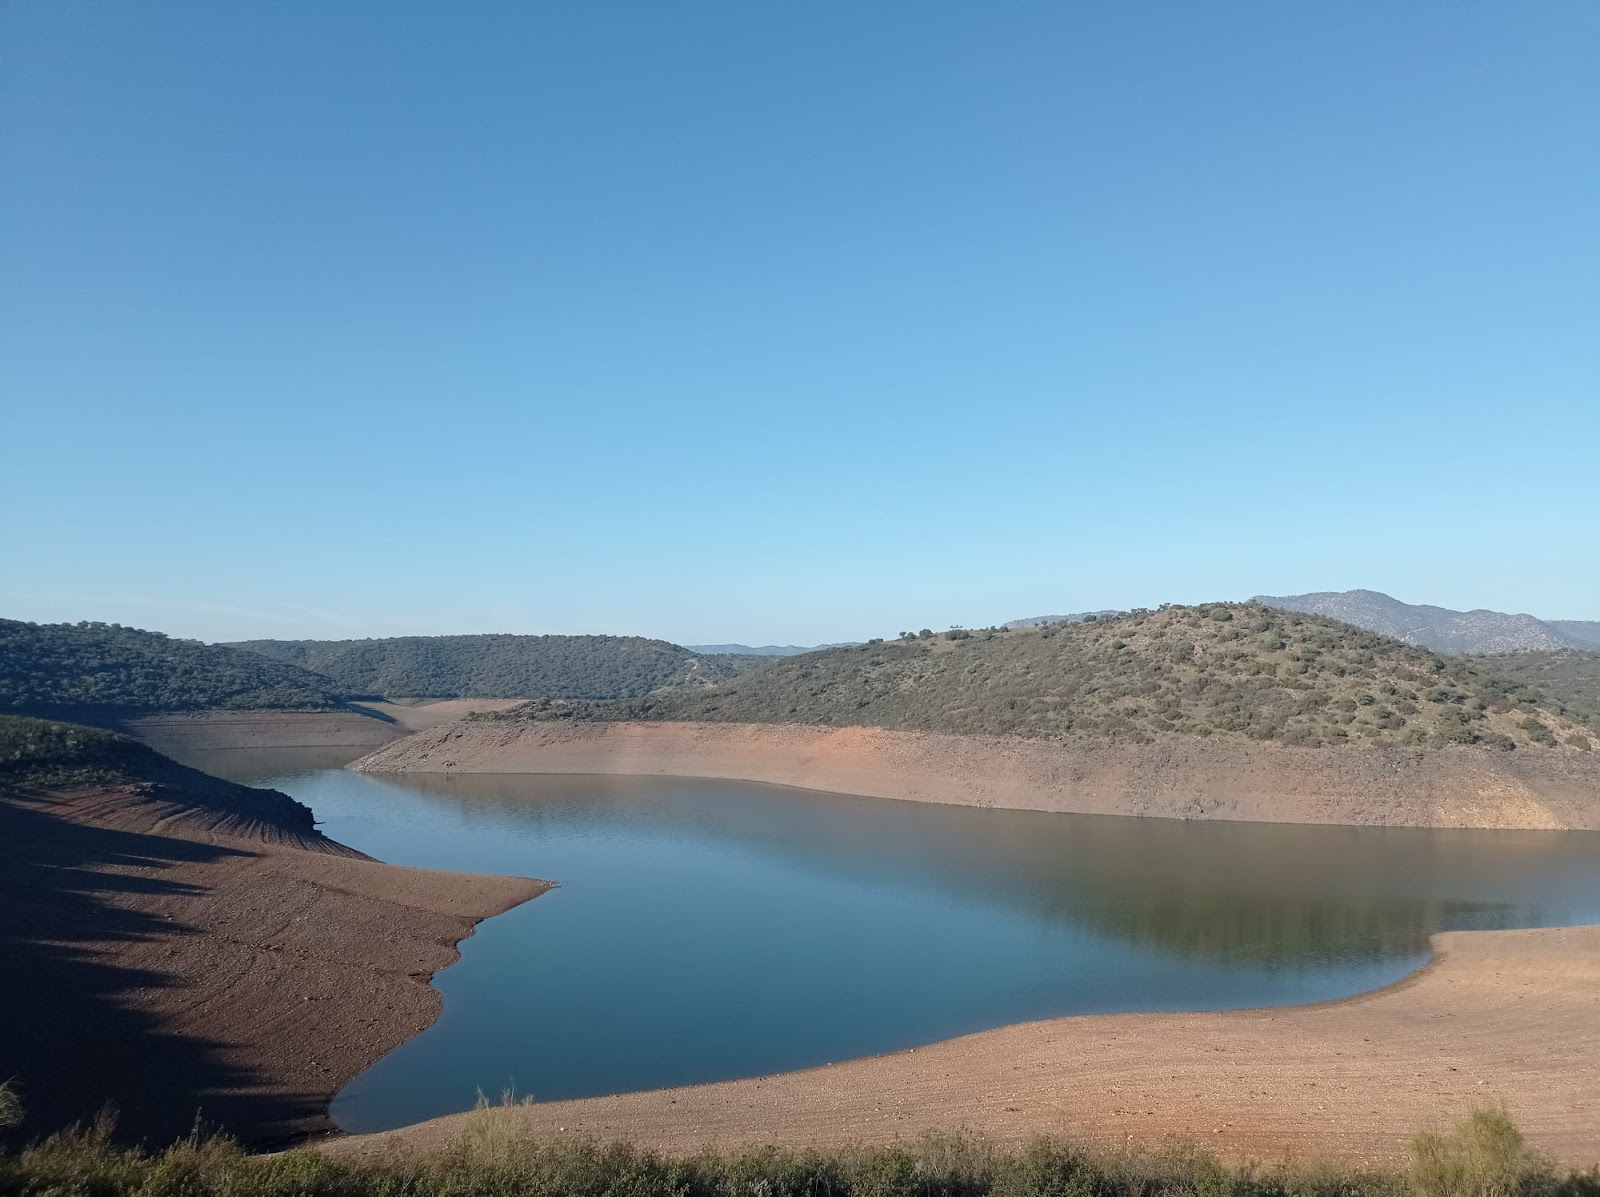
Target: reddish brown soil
(192, 948)
(1505, 1016)
(1466, 787)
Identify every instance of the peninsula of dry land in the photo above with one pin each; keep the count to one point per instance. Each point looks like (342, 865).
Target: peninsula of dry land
(178, 947)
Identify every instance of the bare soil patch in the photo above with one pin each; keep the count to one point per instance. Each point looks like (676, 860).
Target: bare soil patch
(1399, 787)
(199, 950)
(1507, 1017)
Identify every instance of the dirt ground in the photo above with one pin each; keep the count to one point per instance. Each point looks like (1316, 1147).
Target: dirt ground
(371, 724)
(1464, 787)
(1507, 1017)
(199, 950)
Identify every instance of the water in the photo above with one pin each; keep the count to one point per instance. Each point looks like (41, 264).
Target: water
(706, 930)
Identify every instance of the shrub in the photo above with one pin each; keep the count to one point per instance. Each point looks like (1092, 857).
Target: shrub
(1484, 1156)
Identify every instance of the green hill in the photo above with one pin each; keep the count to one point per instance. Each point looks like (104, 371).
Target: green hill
(68, 669)
(1232, 670)
(43, 752)
(502, 666)
(1571, 678)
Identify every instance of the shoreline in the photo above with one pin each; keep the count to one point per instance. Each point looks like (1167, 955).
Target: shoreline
(366, 725)
(1492, 1017)
(1460, 788)
(204, 934)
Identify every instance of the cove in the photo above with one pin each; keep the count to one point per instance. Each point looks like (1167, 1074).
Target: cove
(706, 930)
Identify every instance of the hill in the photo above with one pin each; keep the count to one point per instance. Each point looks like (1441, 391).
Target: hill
(72, 669)
(1570, 677)
(1439, 628)
(1586, 632)
(1239, 671)
(501, 666)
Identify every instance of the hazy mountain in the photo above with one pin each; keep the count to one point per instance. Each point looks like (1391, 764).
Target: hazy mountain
(763, 650)
(1585, 631)
(1233, 670)
(1439, 628)
(1035, 621)
(501, 666)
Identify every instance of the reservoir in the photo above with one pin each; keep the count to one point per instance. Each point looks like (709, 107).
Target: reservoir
(707, 930)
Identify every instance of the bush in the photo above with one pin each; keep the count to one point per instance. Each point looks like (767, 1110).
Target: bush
(1485, 1156)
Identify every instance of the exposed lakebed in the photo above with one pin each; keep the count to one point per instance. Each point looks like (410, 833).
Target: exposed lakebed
(705, 930)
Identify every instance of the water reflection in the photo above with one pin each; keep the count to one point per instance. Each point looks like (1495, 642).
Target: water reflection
(714, 929)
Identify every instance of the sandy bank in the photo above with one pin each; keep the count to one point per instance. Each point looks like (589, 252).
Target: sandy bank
(1509, 1017)
(1192, 780)
(370, 725)
(207, 730)
(191, 947)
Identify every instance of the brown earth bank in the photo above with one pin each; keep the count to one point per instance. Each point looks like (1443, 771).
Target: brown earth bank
(1507, 1017)
(1410, 787)
(370, 725)
(188, 948)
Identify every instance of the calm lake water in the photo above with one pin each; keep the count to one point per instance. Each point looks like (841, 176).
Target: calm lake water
(706, 930)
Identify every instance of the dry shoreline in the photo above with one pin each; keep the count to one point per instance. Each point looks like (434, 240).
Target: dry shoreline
(368, 726)
(197, 949)
(1496, 1016)
(1553, 790)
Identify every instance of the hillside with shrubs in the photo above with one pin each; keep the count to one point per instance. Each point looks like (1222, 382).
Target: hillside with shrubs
(502, 666)
(1239, 671)
(1570, 677)
(71, 670)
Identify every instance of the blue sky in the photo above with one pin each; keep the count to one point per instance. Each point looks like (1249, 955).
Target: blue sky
(730, 321)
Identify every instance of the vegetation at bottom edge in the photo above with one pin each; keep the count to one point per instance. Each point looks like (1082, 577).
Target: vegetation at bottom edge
(1484, 1157)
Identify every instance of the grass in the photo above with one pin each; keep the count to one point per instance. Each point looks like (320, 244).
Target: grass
(1484, 1157)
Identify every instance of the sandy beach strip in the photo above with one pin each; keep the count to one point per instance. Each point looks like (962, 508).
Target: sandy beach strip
(1193, 779)
(1507, 1017)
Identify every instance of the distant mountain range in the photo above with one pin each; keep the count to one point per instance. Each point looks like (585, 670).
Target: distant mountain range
(763, 650)
(1441, 629)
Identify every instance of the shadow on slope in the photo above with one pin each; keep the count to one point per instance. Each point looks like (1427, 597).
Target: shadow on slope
(75, 1036)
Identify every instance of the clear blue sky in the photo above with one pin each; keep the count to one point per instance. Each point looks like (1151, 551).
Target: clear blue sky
(733, 321)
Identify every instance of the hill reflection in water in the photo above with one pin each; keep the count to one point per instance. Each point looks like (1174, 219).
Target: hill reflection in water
(705, 930)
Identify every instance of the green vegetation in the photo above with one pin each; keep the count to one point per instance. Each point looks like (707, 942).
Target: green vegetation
(65, 669)
(1238, 671)
(38, 752)
(1485, 1158)
(503, 666)
(1569, 681)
